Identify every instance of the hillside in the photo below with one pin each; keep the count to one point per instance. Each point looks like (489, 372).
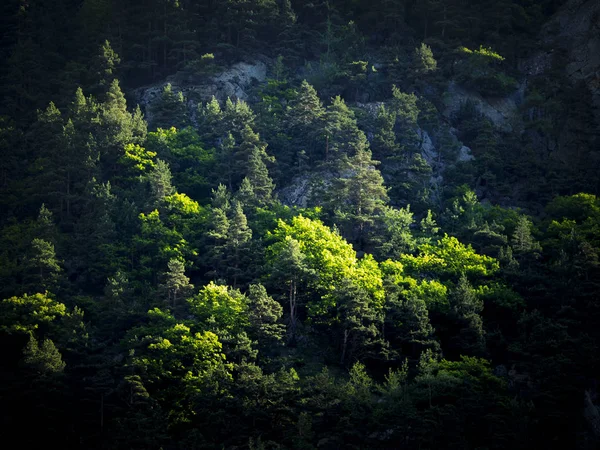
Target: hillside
(273, 224)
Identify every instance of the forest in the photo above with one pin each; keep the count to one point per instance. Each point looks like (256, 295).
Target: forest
(293, 224)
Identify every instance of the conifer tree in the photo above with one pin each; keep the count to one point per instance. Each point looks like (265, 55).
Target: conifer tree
(170, 110)
(237, 244)
(44, 359)
(160, 183)
(103, 70)
(343, 136)
(176, 284)
(43, 267)
(303, 119)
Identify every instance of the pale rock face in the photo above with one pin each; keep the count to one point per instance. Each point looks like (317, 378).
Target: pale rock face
(465, 154)
(296, 194)
(575, 28)
(501, 111)
(233, 82)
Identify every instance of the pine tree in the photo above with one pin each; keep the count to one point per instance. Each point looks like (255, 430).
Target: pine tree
(46, 360)
(289, 267)
(176, 284)
(423, 60)
(466, 308)
(264, 315)
(250, 162)
(169, 110)
(343, 136)
(358, 196)
(160, 183)
(43, 267)
(103, 70)
(237, 244)
(303, 120)
(384, 141)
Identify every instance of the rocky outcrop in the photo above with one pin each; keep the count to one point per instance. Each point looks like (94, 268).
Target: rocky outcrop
(501, 110)
(297, 193)
(576, 30)
(233, 82)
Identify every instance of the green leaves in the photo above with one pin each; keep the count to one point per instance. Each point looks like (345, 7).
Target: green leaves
(220, 308)
(29, 312)
(449, 259)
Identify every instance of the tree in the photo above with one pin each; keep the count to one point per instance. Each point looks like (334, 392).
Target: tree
(220, 308)
(264, 315)
(384, 142)
(469, 338)
(176, 364)
(361, 318)
(407, 325)
(407, 113)
(103, 70)
(252, 156)
(525, 248)
(159, 179)
(238, 238)
(342, 134)
(289, 265)
(397, 237)
(29, 313)
(423, 60)
(169, 110)
(44, 359)
(176, 284)
(358, 196)
(218, 229)
(303, 120)
(43, 266)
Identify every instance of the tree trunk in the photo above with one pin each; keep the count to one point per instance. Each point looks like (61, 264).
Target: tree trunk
(344, 346)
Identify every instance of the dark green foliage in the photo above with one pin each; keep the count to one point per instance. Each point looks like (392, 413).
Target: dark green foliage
(263, 271)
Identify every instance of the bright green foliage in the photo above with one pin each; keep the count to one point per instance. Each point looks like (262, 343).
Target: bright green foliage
(138, 158)
(397, 237)
(29, 312)
(332, 261)
(220, 308)
(423, 60)
(325, 250)
(193, 165)
(176, 364)
(157, 244)
(449, 259)
(44, 359)
(182, 204)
